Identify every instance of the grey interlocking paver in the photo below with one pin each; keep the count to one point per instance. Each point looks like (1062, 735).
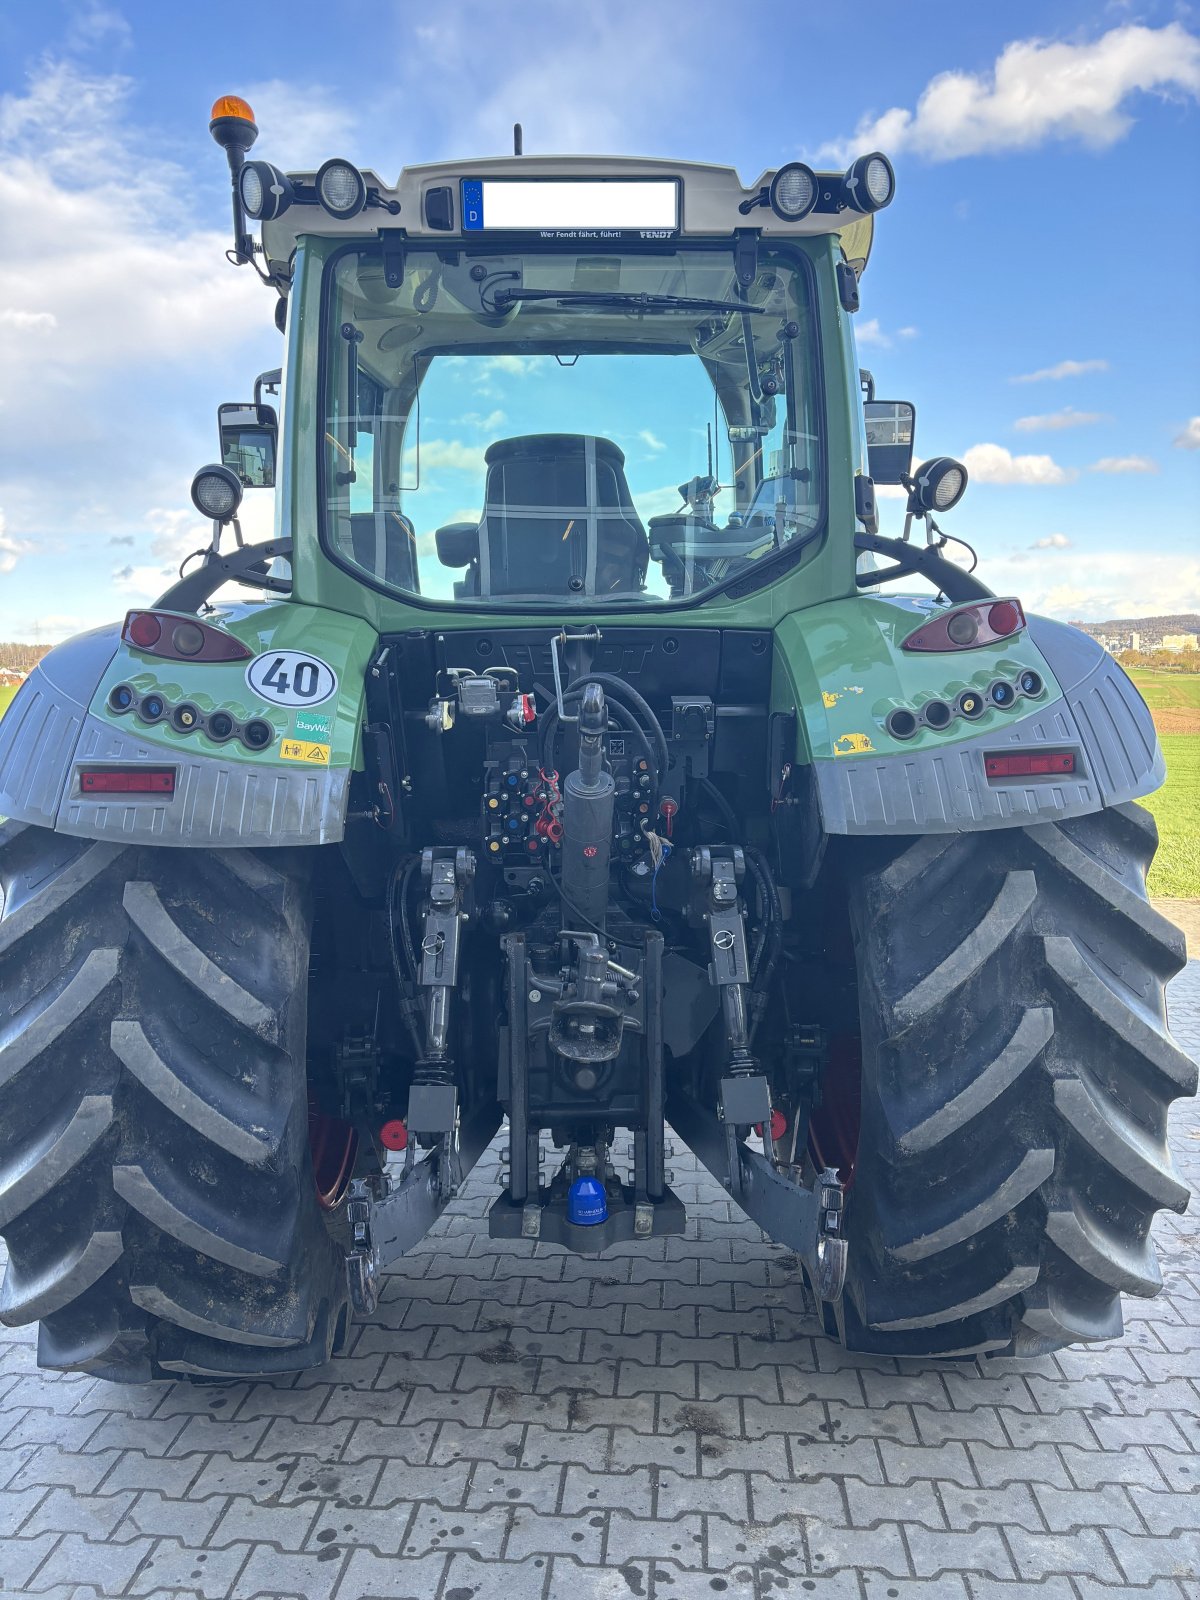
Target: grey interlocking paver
(521, 1424)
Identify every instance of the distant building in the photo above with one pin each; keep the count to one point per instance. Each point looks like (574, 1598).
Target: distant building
(1135, 641)
(1181, 641)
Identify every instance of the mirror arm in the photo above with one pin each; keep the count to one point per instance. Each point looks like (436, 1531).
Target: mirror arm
(927, 561)
(247, 563)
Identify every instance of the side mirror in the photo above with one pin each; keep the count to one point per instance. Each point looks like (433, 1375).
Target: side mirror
(890, 425)
(249, 436)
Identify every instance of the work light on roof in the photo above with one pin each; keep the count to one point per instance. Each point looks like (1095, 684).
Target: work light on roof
(266, 192)
(870, 183)
(341, 189)
(793, 191)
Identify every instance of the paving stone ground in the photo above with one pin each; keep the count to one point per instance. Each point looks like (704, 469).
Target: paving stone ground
(663, 1424)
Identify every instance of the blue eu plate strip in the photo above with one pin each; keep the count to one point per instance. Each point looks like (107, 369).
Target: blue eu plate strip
(472, 205)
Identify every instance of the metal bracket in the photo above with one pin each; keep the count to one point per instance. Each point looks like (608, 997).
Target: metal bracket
(394, 242)
(745, 255)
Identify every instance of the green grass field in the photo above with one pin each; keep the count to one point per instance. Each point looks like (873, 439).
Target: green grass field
(6, 694)
(1168, 691)
(1176, 807)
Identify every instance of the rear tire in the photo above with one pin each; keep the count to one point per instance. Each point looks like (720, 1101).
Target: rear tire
(156, 1190)
(1016, 1076)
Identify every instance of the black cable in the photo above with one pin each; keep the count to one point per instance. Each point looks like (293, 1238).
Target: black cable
(727, 812)
(773, 943)
(625, 719)
(619, 688)
(406, 1002)
(572, 907)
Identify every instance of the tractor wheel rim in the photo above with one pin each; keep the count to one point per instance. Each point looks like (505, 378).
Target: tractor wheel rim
(333, 1145)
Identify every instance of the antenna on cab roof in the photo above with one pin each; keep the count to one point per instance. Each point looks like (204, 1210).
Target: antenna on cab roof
(518, 139)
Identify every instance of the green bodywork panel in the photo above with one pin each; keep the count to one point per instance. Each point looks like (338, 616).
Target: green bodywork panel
(342, 642)
(841, 666)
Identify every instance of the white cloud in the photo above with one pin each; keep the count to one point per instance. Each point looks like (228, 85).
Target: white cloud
(489, 424)
(94, 25)
(1189, 439)
(651, 440)
(1090, 586)
(1055, 421)
(992, 463)
(26, 320)
(869, 331)
(1052, 541)
(1038, 91)
(1122, 464)
(302, 125)
(451, 455)
(135, 305)
(1063, 369)
(10, 548)
(521, 366)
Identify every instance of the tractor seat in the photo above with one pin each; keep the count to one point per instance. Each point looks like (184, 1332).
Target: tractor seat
(558, 518)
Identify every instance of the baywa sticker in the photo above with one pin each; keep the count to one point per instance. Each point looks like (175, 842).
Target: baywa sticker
(291, 678)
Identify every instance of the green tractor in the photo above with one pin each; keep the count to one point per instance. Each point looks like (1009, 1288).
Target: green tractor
(579, 766)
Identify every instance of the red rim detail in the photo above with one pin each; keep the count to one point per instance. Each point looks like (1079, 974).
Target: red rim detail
(333, 1145)
(833, 1130)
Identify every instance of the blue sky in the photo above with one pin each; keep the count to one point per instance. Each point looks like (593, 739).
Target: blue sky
(1033, 287)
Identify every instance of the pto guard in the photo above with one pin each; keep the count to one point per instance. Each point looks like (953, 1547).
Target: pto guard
(294, 792)
(848, 672)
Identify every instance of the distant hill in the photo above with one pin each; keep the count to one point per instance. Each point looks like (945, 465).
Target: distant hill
(1150, 630)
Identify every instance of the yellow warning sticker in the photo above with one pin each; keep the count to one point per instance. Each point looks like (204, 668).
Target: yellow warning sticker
(317, 755)
(851, 744)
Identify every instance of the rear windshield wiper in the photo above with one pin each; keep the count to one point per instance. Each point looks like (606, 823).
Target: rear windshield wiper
(602, 298)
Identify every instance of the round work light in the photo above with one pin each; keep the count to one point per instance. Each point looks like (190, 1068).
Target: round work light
(870, 183)
(217, 492)
(341, 189)
(793, 191)
(940, 484)
(266, 193)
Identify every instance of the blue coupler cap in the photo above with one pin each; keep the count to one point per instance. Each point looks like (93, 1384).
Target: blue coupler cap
(587, 1203)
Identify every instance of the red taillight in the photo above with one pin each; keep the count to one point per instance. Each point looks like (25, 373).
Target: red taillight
(143, 629)
(159, 633)
(1030, 764)
(394, 1135)
(138, 780)
(968, 627)
(1005, 617)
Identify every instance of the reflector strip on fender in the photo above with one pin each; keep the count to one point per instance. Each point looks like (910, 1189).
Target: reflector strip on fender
(139, 780)
(1030, 764)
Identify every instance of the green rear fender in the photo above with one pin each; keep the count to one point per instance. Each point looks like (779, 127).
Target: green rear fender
(842, 669)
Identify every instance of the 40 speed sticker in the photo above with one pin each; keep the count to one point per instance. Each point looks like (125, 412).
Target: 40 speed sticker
(291, 678)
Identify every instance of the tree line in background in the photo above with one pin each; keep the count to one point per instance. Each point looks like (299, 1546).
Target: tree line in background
(1159, 660)
(21, 657)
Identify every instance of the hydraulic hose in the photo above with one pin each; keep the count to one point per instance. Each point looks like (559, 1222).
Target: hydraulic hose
(727, 812)
(764, 973)
(620, 690)
(621, 715)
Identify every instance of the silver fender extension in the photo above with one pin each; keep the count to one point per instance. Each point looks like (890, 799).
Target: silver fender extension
(1100, 714)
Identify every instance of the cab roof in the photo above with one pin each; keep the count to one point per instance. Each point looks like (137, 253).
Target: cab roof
(711, 199)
